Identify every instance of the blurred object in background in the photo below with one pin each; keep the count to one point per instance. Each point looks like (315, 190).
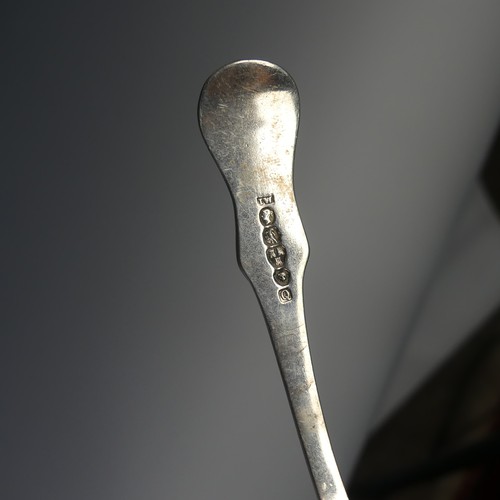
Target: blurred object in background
(444, 442)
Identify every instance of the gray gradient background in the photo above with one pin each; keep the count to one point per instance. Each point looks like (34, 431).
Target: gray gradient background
(135, 361)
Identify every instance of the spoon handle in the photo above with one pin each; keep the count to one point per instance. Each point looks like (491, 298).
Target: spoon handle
(249, 114)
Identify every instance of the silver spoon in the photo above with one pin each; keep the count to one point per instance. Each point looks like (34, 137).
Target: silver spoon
(249, 114)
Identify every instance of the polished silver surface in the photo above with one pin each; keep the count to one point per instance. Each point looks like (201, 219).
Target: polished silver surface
(249, 114)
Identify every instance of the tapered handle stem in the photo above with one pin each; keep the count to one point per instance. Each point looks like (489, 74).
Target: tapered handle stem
(294, 359)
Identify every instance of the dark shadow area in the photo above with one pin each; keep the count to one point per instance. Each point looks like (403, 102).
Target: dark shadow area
(444, 442)
(490, 176)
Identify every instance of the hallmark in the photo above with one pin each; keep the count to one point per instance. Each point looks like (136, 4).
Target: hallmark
(268, 199)
(285, 295)
(276, 256)
(282, 276)
(267, 216)
(271, 236)
(275, 251)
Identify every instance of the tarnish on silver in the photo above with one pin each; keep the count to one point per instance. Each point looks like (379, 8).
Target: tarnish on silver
(249, 114)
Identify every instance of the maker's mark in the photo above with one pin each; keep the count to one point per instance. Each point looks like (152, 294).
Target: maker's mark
(266, 200)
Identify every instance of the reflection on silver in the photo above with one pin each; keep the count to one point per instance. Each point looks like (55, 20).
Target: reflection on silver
(249, 113)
